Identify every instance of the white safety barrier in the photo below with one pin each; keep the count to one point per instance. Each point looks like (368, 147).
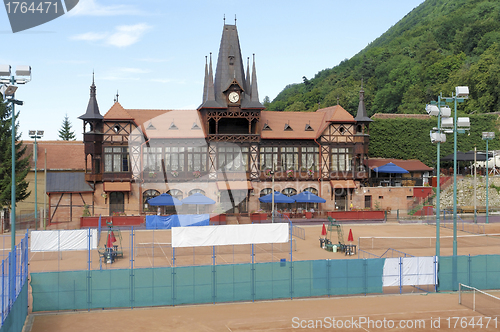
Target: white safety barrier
(62, 240)
(200, 236)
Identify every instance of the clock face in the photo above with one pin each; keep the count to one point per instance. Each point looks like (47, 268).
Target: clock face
(234, 97)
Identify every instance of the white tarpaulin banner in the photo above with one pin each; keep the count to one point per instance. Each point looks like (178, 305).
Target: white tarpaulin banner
(62, 240)
(412, 270)
(199, 236)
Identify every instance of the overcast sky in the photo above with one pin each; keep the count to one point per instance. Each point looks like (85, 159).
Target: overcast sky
(153, 51)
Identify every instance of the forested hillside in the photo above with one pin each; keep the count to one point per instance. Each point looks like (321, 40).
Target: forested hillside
(439, 45)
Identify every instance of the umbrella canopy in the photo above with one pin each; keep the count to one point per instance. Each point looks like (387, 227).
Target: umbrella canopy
(163, 200)
(198, 199)
(323, 230)
(350, 238)
(308, 197)
(390, 168)
(278, 198)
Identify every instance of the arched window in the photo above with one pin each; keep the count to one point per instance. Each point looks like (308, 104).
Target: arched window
(264, 192)
(177, 194)
(196, 191)
(289, 192)
(311, 190)
(150, 193)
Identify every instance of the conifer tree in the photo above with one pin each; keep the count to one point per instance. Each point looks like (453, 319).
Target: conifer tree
(22, 161)
(66, 134)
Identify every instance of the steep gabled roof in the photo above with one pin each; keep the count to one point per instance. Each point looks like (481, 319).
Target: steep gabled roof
(335, 114)
(117, 112)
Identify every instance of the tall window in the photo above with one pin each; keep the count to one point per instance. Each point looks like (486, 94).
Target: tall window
(148, 194)
(152, 159)
(309, 157)
(268, 157)
(233, 158)
(116, 202)
(116, 159)
(174, 158)
(290, 158)
(264, 192)
(197, 158)
(342, 159)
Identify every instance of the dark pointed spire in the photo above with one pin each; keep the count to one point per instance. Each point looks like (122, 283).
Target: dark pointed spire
(247, 82)
(229, 64)
(361, 116)
(255, 91)
(92, 108)
(208, 89)
(205, 82)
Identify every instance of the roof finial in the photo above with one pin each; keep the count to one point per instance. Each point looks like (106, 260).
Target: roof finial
(117, 95)
(93, 77)
(234, 19)
(224, 19)
(338, 99)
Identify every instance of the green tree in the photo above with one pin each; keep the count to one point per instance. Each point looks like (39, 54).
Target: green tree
(22, 161)
(66, 134)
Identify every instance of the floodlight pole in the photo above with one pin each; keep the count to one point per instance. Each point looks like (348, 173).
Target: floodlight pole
(454, 175)
(35, 136)
(487, 176)
(438, 185)
(486, 137)
(13, 181)
(272, 195)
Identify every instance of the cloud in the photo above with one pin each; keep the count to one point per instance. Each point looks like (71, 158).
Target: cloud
(92, 8)
(127, 35)
(123, 36)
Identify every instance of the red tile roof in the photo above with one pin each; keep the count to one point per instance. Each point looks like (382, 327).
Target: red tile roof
(61, 155)
(297, 121)
(411, 165)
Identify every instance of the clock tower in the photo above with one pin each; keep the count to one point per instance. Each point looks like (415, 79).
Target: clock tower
(231, 108)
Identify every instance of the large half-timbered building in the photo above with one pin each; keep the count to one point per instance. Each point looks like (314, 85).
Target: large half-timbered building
(229, 149)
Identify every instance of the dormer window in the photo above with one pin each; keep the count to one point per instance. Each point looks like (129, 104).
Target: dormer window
(308, 127)
(151, 127)
(266, 127)
(173, 126)
(195, 126)
(287, 127)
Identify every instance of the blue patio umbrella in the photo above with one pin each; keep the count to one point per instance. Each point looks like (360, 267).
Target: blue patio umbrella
(390, 168)
(198, 199)
(164, 200)
(278, 198)
(308, 197)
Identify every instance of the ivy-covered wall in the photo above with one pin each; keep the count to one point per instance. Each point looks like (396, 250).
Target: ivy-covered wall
(408, 138)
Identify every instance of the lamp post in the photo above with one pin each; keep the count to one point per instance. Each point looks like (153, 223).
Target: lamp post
(487, 136)
(5, 72)
(36, 134)
(272, 195)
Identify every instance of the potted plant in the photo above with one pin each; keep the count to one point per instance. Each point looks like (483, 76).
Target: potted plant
(174, 173)
(268, 173)
(310, 172)
(289, 173)
(152, 174)
(196, 174)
